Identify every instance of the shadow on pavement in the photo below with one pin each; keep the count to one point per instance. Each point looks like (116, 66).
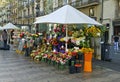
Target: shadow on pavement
(114, 64)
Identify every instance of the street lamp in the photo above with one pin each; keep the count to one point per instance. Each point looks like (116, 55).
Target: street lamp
(29, 15)
(24, 11)
(37, 15)
(106, 36)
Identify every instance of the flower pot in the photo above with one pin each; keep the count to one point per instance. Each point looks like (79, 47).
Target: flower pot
(88, 62)
(53, 63)
(71, 61)
(61, 66)
(78, 68)
(49, 61)
(72, 69)
(44, 60)
(80, 56)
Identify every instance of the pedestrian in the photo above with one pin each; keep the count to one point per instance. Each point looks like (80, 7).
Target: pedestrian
(11, 36)
(116, 40)
(4, 37)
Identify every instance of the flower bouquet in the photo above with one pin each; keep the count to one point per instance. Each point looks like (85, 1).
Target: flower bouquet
(86, 50)
(34, 36)
(93, 31)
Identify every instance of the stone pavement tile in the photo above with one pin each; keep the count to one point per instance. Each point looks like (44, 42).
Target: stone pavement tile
(7, 80)
(17, 68)
(113, 65)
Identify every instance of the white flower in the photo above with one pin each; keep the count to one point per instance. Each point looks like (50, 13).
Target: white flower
(78, 42)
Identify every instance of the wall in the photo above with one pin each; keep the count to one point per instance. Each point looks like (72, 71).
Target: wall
(97, 11)
(109, 15)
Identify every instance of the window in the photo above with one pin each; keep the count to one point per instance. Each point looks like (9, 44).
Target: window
(119, 3)
(60, 2)
(91, 12)
(119, 8)
(65, 2)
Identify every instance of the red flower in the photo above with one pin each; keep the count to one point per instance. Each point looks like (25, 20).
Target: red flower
(63, 29)
(74, 53)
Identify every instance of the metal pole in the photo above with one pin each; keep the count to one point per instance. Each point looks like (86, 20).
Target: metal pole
(102, 11)
(37, 15)
(29, 15)
(66, 49)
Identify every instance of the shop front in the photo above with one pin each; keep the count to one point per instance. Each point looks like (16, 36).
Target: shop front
(116, 25)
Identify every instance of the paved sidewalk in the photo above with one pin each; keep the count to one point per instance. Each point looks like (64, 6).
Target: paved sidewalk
(17, 68)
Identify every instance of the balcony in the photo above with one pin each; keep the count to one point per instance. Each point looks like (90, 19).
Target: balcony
(81, 4)
(20, 7)
(27, 5)
(28, 16)
(59, 5)
(19, 17)
(31, 16)
(13, 6)
(14, 15)
(5, 21)
(32, 2)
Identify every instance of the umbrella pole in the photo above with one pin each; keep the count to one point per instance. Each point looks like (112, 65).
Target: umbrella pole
(66, 39)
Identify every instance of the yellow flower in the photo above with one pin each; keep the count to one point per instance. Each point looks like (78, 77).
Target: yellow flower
(93, 31)
(84, 50)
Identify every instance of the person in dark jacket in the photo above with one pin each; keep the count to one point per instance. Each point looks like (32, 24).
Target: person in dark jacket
(116, 40)
(5, 37)
(11, 36)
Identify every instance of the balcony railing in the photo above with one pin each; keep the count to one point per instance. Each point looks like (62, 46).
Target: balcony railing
(27, 17)
(13, 14)
(31, 16)
(32, 2)
(13, 6)
(80, 3)
(19, 17)
(20, 7)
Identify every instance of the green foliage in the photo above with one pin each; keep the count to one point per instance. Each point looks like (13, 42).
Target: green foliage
(103, 29)
(85, 44)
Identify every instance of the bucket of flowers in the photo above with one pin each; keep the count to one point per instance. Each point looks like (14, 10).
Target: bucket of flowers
(88, 52)
(34, 36)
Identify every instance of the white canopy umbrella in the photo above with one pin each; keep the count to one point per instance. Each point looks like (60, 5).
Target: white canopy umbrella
(10, 26)
(66, 15)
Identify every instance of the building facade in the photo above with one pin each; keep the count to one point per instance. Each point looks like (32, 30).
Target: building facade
(24, 12)
(108, 16)
(116, 19)
(3, 12)
(111, 17)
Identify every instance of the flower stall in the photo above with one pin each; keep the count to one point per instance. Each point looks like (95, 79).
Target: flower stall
(61, 41)
(79, 53)
(27, 42)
